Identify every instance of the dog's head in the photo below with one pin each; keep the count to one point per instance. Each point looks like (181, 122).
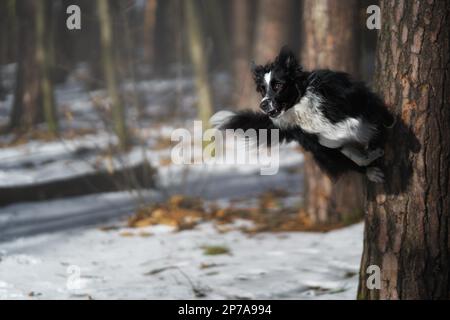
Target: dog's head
(278, 83)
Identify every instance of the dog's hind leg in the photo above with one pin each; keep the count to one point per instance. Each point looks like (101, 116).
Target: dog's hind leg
(360, 158)
(375, 174)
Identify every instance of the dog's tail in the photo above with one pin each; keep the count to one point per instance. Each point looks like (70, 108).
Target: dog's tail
(247, 120)
(244, 120)
(221, 118)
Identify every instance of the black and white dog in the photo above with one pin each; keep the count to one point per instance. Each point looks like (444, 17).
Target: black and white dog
(340, 121)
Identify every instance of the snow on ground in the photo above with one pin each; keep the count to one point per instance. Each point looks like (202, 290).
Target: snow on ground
(44, 245)
(37, 161)
(157, 263)
(56, 249)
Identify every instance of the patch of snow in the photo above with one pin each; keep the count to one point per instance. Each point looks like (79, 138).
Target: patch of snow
(90, 263)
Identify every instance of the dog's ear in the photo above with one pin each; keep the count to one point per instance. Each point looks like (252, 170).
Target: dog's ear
(258, 71)
(287, 59)
(253, 66)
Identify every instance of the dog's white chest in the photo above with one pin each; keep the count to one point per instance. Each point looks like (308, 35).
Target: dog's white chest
(307, 115)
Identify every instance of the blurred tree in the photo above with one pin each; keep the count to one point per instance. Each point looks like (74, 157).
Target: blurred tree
(242, 44)
(199, 60)
(367, 43)
(167, 35)
(330, 41)
(124, 40)
(407, 224)
(271, 33)
(44, 57)
(110, 73)
(7, 36)
(272, 28)
(33, 97)
(214, 16)
(7, 30)
(149, 30)
(67, 43)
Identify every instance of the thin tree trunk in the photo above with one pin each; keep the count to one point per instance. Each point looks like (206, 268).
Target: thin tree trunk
(272, 32)
(110, 72)
(407, 222)
(214, 14)
(166, 35)
(241, 52)
(129, 70)
(44, 59)
(199, 61)
(330, 41)
(26, 111)
(6, 29)
(149, 30)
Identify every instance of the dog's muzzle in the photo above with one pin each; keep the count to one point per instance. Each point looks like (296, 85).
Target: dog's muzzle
(268, 108)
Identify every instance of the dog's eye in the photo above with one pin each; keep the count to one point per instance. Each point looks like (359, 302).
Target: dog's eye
(277, 86)
(262, 90)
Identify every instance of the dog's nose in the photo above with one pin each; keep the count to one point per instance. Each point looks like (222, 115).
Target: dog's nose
(266, 106)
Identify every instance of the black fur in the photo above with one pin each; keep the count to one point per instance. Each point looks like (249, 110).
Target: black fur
(331, 161)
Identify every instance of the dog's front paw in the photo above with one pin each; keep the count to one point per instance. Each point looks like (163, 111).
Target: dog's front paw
(375, 154)
(375, 174)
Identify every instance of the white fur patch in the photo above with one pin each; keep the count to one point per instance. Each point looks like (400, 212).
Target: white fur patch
(374, 174)
(267, 78)
(220, 118)
(308, 116)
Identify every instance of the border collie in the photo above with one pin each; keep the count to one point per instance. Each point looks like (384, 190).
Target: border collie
(340, 121)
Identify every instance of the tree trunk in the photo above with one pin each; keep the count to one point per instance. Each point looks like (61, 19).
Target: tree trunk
(272, 32)
(407, 222)
(149, 31)
(44, 59)
(110, 72)
(241, 39)
(27, 109)
(330, 41)
(34, 96)
(167, 35)
(7, 38)
(199, 61)
(330, 35)
(214, 16)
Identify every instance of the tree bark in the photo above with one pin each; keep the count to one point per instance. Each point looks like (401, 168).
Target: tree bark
(272, 32)
(330, 35)
(407, 219)
(331, 41)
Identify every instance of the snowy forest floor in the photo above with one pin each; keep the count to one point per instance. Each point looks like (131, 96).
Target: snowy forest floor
(157, 263)
(84, 248)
